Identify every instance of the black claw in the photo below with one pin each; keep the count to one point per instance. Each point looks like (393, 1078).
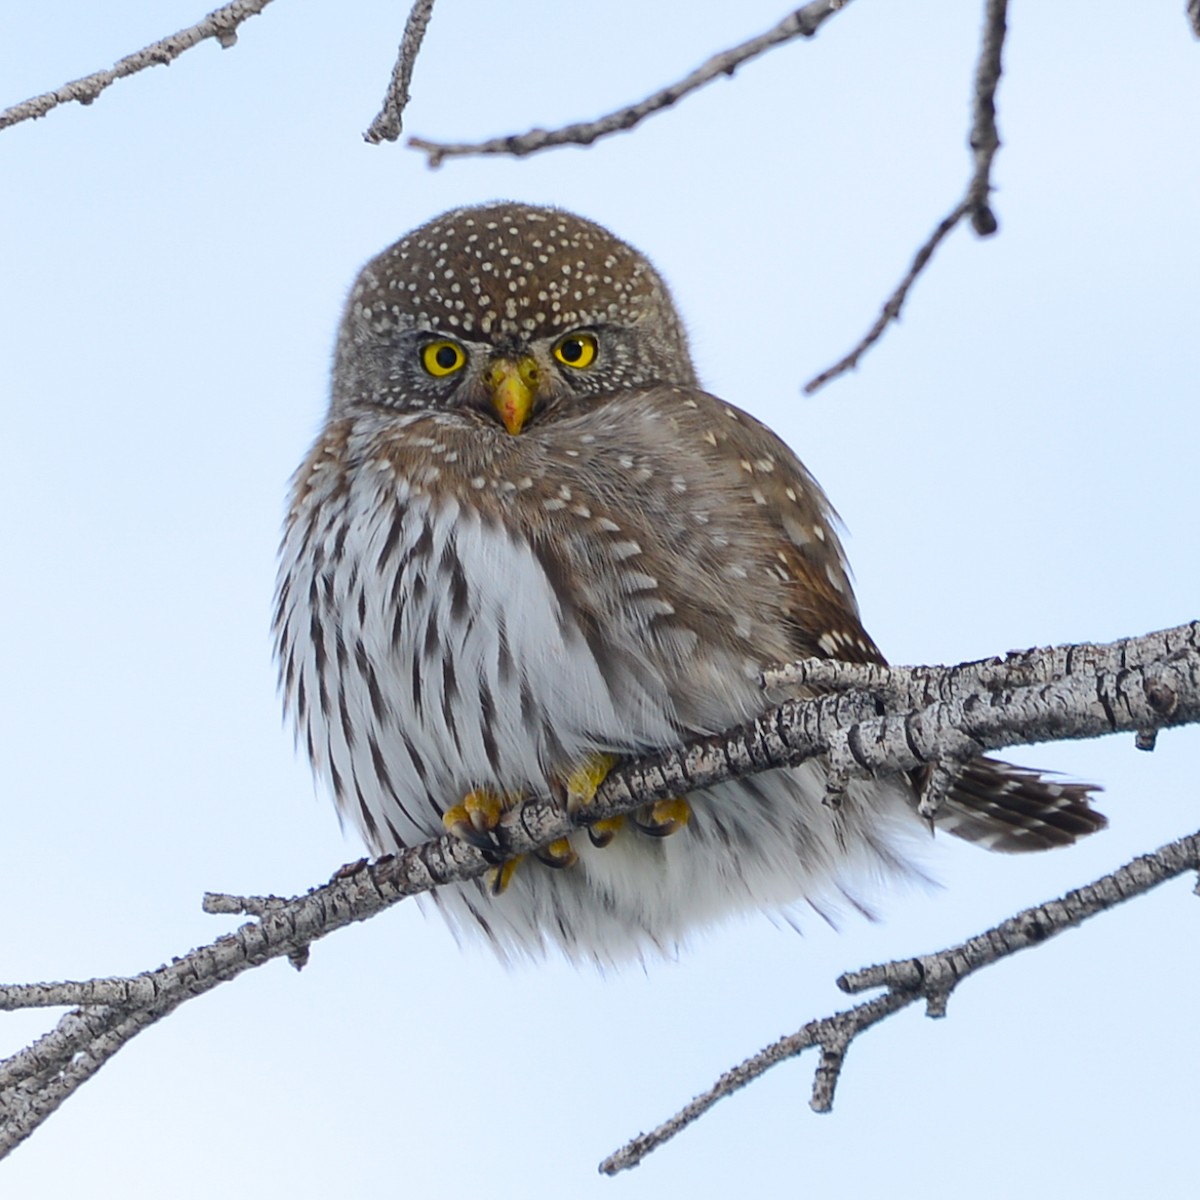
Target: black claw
(601, 837)
(553, 861)
(484, 841)
(658, 831)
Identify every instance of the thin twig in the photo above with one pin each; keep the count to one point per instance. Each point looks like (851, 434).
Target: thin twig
(803, 22)
(389, 123)
(931, 977)
(985, 141)
(222, 24)
(895, 302)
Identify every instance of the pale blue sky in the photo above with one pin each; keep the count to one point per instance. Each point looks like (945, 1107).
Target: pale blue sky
(1016, 463)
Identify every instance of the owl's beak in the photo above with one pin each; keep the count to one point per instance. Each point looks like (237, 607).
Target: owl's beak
(513, 386)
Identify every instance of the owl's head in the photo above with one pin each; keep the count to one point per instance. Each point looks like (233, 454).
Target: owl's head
(509, 310)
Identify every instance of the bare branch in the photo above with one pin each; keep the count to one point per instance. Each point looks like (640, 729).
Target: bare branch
(913, 687)
(222, 24)
(895, 302)
(985, 141)
(1193, 12)
(886, 720)
(931, 977)
(803, 22)
(389, 122)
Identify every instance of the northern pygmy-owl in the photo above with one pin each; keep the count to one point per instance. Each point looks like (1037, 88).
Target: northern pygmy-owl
(526, 543)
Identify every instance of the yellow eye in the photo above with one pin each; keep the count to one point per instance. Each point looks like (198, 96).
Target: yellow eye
(443, 358)
(576, 350)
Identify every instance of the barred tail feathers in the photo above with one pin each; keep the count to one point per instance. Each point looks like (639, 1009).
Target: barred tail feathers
(1013, 809)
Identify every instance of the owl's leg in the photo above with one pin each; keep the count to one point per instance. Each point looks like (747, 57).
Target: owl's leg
(581, 785)
(659, 819)
(474, 820)
(478, 815)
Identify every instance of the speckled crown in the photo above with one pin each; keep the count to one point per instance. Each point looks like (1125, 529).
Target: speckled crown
(505, 269)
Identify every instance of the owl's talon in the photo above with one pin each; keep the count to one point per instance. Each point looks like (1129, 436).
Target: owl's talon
(475, 819)
(458, 821)
(602, 832)
(557, 855)
(582, 782)
(664, 817)
(497, 879)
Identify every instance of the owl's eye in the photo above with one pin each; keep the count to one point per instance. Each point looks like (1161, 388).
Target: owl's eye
(443, 358)
(576, 350)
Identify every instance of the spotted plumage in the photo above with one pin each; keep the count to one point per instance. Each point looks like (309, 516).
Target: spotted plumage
(526, 538)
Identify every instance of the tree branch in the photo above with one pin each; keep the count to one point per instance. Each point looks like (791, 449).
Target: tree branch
(803, 22)
(985, 141)
(931, 977)
(222, 23)
(868, 720)
(389, 122)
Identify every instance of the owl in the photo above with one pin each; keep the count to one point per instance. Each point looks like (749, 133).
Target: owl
(526, 545)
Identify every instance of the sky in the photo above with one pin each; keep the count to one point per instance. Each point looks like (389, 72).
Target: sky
(1016, 465)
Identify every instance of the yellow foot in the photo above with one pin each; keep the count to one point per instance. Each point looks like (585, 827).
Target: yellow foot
(663, 817)
(497, 878)
(557, 855)
(474, 819)
(581, 782)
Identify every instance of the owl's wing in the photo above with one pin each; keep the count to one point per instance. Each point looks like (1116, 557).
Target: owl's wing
(796, 530)
(820, 621)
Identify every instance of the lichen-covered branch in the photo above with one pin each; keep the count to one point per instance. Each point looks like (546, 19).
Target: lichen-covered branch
(930, 977)
(222, 23)
(985, 141)
(803, 22)
(389, 122)
(867, 720)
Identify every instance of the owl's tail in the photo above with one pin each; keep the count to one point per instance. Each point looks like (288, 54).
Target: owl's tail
(1012, 809)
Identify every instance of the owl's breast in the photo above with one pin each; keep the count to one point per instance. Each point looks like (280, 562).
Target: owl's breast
(430, 645)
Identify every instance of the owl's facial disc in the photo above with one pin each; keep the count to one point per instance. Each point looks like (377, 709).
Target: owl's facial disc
(513, 387)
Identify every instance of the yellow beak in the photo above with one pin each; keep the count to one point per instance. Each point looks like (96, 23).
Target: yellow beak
(513, 386)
